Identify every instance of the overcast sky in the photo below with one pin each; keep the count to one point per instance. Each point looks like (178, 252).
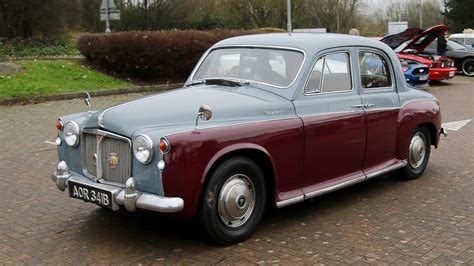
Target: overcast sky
(384, 3)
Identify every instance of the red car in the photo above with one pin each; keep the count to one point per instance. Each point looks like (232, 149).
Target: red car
(410, 47)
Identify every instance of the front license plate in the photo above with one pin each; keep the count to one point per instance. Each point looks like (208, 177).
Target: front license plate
(451, 74)
(86, 193)
(424, 77)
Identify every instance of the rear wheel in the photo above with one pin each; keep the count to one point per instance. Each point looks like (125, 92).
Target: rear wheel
(233, 201)
(418, 154)
(468, 67)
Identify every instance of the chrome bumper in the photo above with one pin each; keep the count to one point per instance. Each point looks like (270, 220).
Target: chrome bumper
(443, 132)
(129, 196)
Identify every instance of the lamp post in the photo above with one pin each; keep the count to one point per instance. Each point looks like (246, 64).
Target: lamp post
(107, 18)
(421, 14)
(288, 12)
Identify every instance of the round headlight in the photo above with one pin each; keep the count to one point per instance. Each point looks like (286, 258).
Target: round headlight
(71, 134)
(143, 149)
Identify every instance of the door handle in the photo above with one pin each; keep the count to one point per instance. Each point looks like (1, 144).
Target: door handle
(358, 106)
(368, 105)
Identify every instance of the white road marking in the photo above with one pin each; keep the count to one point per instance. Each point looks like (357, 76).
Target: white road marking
(456, 125)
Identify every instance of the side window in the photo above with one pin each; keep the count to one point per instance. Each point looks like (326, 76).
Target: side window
(331, 73)
(374, 71)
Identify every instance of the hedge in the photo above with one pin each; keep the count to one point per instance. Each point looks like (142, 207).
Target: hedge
(166, 56)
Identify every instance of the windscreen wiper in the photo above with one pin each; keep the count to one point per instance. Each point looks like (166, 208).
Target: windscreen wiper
(221, 81)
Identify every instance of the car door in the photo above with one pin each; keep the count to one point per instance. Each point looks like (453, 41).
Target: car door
(334, 123)
(382, 105)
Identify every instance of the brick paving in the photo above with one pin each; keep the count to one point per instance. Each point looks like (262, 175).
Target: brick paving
(382, 221)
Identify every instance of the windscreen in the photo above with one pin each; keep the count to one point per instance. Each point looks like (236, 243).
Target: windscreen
(276, 67)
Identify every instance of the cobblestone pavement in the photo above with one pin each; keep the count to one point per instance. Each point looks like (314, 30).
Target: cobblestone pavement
(382, 221)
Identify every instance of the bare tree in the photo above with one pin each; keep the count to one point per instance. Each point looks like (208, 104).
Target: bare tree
(334, 15)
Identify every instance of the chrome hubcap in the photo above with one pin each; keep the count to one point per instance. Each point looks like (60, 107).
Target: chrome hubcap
(236, 200)
(417, 150)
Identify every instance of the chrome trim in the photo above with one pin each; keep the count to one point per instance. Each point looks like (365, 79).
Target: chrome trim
(198, 65)
(392, 72)
(338, 186)
(61, 175)
(168, 145)
(443, 132)
(284, 203)
(358, 106)
(101, 133)
(351, 64)
(78, 135)
(150, 143)
(325, 190)
(129, 196)
(98, 162)
(399, 165)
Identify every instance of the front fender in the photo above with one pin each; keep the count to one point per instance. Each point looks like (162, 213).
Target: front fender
(194, 152)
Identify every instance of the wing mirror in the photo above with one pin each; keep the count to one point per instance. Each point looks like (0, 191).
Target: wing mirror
(204, 113)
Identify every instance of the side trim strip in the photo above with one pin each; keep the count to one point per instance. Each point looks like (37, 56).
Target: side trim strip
(325, 190)
(335, 187)
(291, 201)
(388, 169)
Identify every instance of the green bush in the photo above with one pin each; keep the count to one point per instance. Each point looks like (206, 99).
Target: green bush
(36, 47)
(160, 56)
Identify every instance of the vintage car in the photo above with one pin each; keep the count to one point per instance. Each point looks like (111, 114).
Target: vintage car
(410, 46)
(262, 119)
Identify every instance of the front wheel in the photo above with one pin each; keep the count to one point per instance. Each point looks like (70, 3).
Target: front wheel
(418, 154)
(468, 67)
(233, 201)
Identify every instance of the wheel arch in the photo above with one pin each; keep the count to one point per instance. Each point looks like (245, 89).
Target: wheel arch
(433, 134)
(254, 152)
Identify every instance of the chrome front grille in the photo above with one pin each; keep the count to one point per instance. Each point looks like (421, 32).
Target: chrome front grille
(90, 150)
(106, 156)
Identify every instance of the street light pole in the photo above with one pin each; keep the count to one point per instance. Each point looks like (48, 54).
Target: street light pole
(421, 14)
(288, 12)
(107, 23)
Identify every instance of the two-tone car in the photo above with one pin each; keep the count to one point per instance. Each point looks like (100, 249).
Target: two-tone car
(270, 119)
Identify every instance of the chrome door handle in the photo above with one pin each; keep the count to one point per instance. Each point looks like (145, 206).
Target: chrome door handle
(368, 105)
(357, 106)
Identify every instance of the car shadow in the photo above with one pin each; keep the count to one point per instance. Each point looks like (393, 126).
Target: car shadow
(155, 232)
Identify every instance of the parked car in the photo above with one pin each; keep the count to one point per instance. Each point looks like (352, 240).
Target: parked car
(463, 57)
(415, 74)
(410, 46)
(263, 119)
(466, 39)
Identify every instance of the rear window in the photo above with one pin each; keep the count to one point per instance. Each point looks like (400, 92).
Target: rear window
(374, 71)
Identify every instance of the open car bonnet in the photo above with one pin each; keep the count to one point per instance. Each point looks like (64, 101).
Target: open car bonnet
(396, 40)
(419, 39)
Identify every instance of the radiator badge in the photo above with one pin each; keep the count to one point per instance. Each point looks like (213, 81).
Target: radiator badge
(113, 160)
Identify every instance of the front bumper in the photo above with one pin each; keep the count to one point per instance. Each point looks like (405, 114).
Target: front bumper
(129, 196)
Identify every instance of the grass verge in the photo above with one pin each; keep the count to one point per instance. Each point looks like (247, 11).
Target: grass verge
(55, 77)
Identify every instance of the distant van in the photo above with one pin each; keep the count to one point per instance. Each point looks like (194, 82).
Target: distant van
(467, 39)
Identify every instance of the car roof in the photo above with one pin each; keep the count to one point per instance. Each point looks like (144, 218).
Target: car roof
(308, 42)
(462, 35)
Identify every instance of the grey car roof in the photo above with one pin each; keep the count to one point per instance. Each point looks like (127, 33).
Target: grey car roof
(308, 42)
